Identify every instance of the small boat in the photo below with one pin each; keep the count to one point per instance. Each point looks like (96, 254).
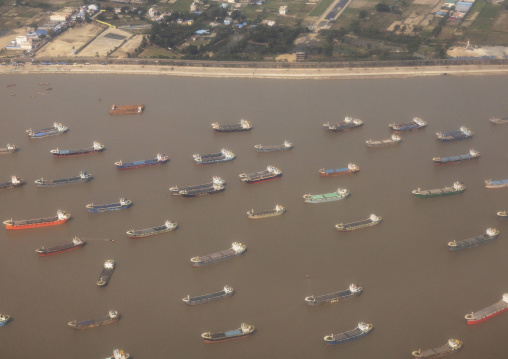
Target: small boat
(490, 234)
(235, 250)
(262, 176)
(455, 159)
(360, 331)
(341, 193)
(57, 129)
(119, 354)
(488, 312)
(107, 272)
(126, 109)
(223, 156)
(4, 319)
(352, 291)
(205, 191)
(499, 120)
(351, 168)
(273, 148)
(415, 124)
(243, 125)
(382, 143)
(147, 232)
(112, 317)
(216, 181)
(347, 124)
(277, 211)
(457, 188)
(11, 85)
(9, 149)
(459, 135)
(371, 221)
(76, 243)
(83, 177)
(96, 147)
(503, 215)
(14, 182)
(451, 346)
(160, 159)
(244, 331)
(496, 184)
(226, 292)
(122, 204)
(61, 217)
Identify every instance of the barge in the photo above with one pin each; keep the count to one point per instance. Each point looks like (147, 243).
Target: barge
(496, 184)
(202, 299)
(459, 135)
(223, 156)
(473, 154)
(341, 193)
(243, 125)
(119, 354)
(126, 109)
(57, 129)
(360, 331)
(262, 176)
(351, 168)
(199, 192)
(457, 188)
(490, 234)
(168, 226)
(503, 215)
(107, 272)
(244, 331)
(488, 312)
(61, 217)
(451, 346)
(75, 244)
(274, 148)
(216, 181)
(83, 177)
(97, 208)
(371, 221)
(235, 250)
(14, 182)
(347, 124)
(499, 120)
(277, 211)
(382, 143)
(415, 124)
(112, 317)
(4, 319)
(158, 160)
(8, 149)
(352, 291)
(96, 147)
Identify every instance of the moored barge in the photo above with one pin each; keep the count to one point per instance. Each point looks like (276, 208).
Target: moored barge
(15, 182)
(451, 346)
(457, 188)
(351, 168)
(459, 135)
(96, 147)
(235, 250)
(352, 291)
(347, 124)
(9, 149)
(61, 217)
(4, 318)
(382, 143)
(360, 331)
(112, 317)
(75, 244)
(107, 272)
(226, 292)
(199, 192)
(277, 211)
(57, 129)
(503, 215)
(126, 109)
(262, 176)
(371, 221)
(119, 354)
(168, 226)
(496, 184)
(490, 234)
(243, 125)
(455, 159)
(488, 312)
(415, 124)
(499, 120)
(341, 193)
(223, 156)
(273, 148)
(122, 204)
(158, 160)
(83, 177)
(244, 331)
(216, 181)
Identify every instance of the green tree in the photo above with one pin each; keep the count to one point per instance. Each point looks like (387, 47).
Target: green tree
(382, 7)
(363, 14)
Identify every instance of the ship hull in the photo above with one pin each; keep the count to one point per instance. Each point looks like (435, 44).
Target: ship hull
(266, 215)
(348, 338)
(150, 234)
(77, 153)
(262, 179)
(454, 138)
(479, 241)
(127, 110)
(62, 183)
(203, 264)
(358, 227)
(202, 193)
(129, 166)
(9, 185)
(50, 251)
(36, 225)
(333, 298)
(479, 320)
(210, 299)
(441, 194)
(227, 339)
(213, 160)
(96, 324)
(108, 209)
(503, 217)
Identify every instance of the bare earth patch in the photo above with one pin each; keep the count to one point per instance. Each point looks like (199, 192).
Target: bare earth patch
(129, 47)
(105, 42)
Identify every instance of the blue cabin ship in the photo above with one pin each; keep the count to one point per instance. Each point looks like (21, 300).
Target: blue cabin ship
(459, 135)
(473, 154)
(57, 129)
(122, 204)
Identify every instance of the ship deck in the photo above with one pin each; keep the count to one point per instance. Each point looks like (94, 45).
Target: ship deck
(88, 322)
(436, 351)
(456, 158)
(206, 297)
(260, 175)
(194, 192)
(490, 309)
(217, 255)
(197, 187)
(350, 334)
(34, 221)
(230, 127)
(332, 296)
(330, 171)
(357, 224)
(471, 241)
(149, 230)
(263, 213)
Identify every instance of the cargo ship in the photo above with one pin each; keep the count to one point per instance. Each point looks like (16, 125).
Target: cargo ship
(382, 143)
(243, 125)
(451, 346)
(119, 354)
(341, 193)
(347, 124)
(75, 244)
(457, 188)
(126, 109)
(455, 159)
(83, 177)
(360, 331)
(160, 159)
(274, 148)
(503, 215)
(488, 312)
(459, 135)
(96, 147)
(223, 156)
(499, 120)
(205, 191)
(235, 250)
(496, 184)
(57, 129)
(277, 211)
(216, 181)
(262, 176)
(9, 149)
(122, 204)
(4, 319)
(168, 226)
(244, 331)
(61, 217)
(107, 272)
(15, 182)
(351, 168)
(112, 317)
(202, 299)
(371, 221)
(490, 234)
(415, 124)
(352, 291)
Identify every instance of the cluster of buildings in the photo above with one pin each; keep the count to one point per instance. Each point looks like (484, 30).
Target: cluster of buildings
(455, 8)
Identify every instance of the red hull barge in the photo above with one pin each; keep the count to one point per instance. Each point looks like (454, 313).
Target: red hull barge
(76, 243)
(60, 218)
(489, 312)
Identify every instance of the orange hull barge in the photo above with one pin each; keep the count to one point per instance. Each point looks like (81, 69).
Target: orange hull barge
(61, 217)
(126, 109)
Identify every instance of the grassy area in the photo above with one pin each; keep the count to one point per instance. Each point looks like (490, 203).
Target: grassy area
(155, 51)
(321, 8)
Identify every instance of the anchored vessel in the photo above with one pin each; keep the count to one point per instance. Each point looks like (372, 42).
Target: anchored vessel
(122, 204)
(353, 290)
(455, 159)
(119, 354)
(416, 124)
(76, 243)
(273, 148)
(457, 188)
(83, 177)
(489, 312)
(4, 318)
(204, 191)
(235, 250)
(243, 125)
(496, 184)
(360, 331)
(277, 211)
(126, 109)
(61, 217)
(147, 232)
(381, 143)
(57, 129)
(347, 124)
(107, 272)
(490, 234)
(226, 292)
(503, 215)
(96, 147)
(208, 188)
(498, 120)
(160, 159)
(9, 149)
(341, 193)
(244, 331)
(451, 346)
(351, 168)
(371, 221)
(223, 156)
(266, 175)
(15, 182)
(459, 135)
(112, 317)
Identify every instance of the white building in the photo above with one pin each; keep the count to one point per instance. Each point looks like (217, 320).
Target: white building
(283, 10)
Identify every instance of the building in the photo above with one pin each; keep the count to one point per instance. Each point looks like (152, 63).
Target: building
(283, 10)
(21, 43)
(300, 55)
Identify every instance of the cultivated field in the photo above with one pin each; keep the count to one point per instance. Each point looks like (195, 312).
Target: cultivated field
(129, 47)
(105, 42)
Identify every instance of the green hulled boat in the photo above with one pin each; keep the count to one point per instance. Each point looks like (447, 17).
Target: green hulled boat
(457, 188)
(341, 193)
